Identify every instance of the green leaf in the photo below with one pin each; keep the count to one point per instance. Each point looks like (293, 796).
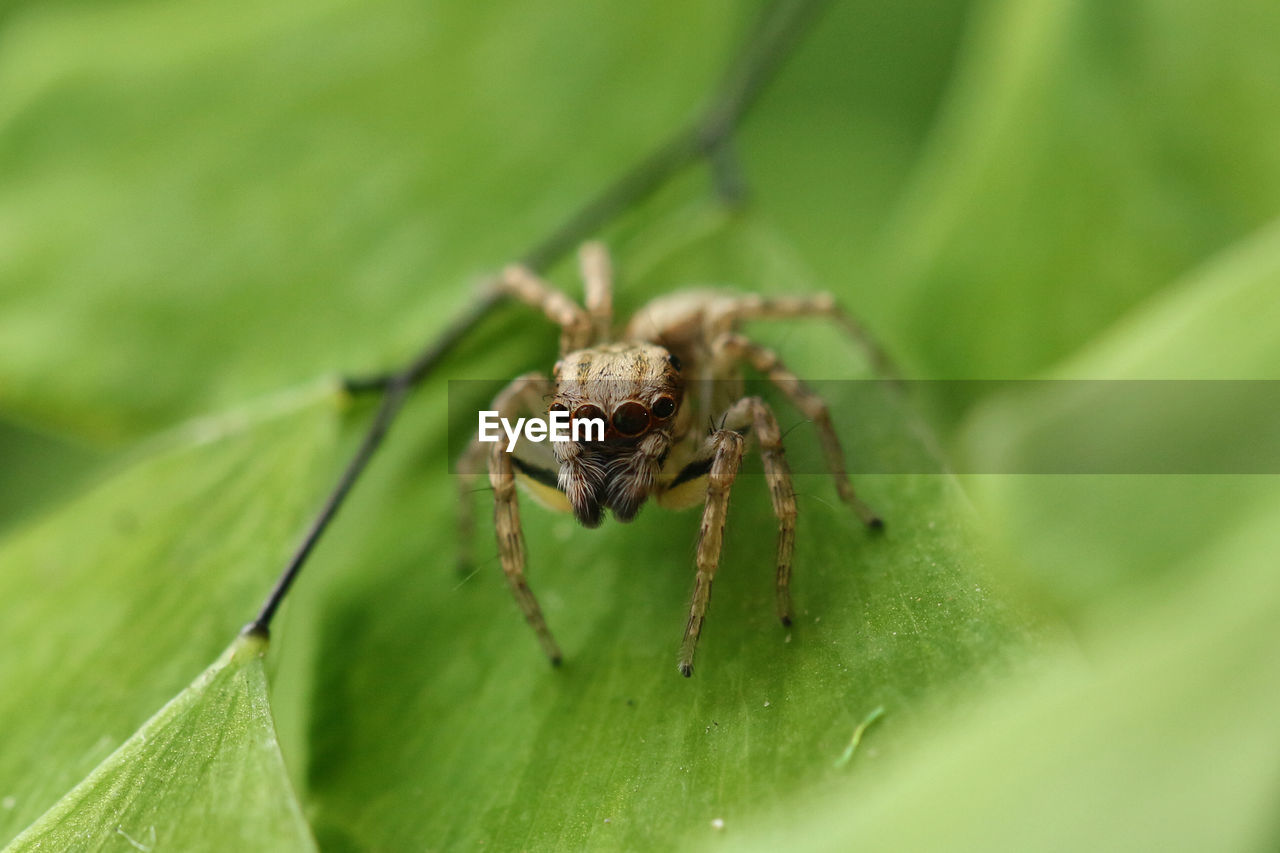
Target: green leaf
(205, 203)
(205, 772)
(1164, 738)
(405, 691)
(1161, 735)
(270, 194)
(1087, 155)
(1079, 537)
(111, 603)
(39, 469)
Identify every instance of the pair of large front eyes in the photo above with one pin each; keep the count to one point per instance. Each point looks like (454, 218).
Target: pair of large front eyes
(629, 419)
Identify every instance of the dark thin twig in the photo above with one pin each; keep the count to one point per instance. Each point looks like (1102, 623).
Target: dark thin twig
(778, 33)
(392, 399)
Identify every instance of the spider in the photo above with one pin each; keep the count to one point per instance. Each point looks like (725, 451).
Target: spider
(670, 390)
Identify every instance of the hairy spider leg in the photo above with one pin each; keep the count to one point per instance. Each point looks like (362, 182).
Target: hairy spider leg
(575, 325)
(597, 278)
(755, 413)
(756, 307)
(524, 394)
(726, 447)
(810, 404)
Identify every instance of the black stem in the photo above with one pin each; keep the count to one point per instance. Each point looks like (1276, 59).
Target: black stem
(779, 32)
(392, 400)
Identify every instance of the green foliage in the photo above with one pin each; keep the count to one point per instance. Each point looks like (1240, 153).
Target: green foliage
(209, 205)
(206, 768)
(120, 596)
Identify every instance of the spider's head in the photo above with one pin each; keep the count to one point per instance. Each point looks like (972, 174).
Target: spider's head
(622, 400)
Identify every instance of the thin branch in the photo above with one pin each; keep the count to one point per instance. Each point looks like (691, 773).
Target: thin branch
(392, 400)
(774, 39)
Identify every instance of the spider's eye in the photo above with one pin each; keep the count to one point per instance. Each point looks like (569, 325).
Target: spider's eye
(558, 407)
(664, 407)
(630, 418)
(673, 361)
(588, 412)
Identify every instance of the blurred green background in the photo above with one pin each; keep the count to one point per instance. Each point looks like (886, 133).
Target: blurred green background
(208, 211)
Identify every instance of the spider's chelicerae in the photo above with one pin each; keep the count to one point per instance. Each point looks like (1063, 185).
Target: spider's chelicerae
(669, 388)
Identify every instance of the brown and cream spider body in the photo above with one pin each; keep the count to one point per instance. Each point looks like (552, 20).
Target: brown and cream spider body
(669, 388)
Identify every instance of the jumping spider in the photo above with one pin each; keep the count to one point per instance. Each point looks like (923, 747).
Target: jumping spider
(670, 390)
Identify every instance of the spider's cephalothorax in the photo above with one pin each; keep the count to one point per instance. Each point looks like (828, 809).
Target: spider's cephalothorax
(635, 390)
(668, 390)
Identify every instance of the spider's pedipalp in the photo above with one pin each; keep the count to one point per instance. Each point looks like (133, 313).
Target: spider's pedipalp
(582, 479)
(631, 476)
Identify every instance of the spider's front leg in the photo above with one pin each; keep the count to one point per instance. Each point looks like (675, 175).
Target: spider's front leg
(726, 447)
(524, 394)
(506, 522)
(727, 444)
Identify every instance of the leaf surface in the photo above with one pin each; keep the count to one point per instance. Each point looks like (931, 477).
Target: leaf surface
(116, 599)
(204, 773)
